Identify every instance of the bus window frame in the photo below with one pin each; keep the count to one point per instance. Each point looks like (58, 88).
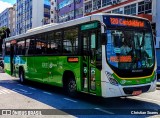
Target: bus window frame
(22, 39)
(67, 29)
(29, 37)
(6, 48)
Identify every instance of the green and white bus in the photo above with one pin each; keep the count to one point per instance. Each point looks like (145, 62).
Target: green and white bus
(105, 55)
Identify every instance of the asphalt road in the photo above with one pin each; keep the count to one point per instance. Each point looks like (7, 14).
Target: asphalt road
(39, 100)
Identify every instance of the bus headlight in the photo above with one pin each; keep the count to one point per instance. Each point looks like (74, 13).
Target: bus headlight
(111, 79)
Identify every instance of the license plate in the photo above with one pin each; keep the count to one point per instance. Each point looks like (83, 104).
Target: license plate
(137, 92)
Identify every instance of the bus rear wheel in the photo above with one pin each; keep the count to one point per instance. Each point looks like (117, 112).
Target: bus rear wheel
(71, 87)
(21, 76)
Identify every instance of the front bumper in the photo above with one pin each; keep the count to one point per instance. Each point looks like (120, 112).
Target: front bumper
(109, 90)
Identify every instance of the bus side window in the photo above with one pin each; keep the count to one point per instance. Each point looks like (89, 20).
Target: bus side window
(99, 48)
(41, 44)
(8, 48)
(70, 41)
(20, 47)
(30, 46)
(54, 43)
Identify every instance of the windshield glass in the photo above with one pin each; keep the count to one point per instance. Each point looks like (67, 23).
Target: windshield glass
(130, 49)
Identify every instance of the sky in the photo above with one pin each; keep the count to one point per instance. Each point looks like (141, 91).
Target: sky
(6, 4)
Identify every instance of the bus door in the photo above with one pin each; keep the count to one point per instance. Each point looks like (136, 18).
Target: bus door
(89, 60)
(12, 56)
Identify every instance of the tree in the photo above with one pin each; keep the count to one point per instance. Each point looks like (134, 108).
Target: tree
(3, 31)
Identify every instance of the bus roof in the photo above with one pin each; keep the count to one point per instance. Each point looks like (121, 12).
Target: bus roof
(56, 26)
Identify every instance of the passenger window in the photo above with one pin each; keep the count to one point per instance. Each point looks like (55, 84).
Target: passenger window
(41, 45)
(8, 48)
(21, 47)
(54, 43)
(93, 41)
(30, 46)
(70, 41)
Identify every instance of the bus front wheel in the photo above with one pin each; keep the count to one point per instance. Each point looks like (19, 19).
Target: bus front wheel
(21, 76)
(71, 87)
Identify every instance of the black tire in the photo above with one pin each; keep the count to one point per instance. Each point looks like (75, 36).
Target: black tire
(71, 87)
(21, 77)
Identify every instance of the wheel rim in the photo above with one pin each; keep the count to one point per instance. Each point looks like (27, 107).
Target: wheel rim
(72, 86)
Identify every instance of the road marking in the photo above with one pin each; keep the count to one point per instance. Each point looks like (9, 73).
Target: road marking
(22, 91)
(20, 84)
(70, 100)
(102, 110)
(5, 91)
(145, 99)
(32, 88)
(47, 93)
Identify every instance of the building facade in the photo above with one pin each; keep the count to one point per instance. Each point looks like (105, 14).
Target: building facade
(156, 21)
(141, 8)
(12, 21)
(7, 19)
(65, 10)
(31, 14)
(53, 18)
(4, 18)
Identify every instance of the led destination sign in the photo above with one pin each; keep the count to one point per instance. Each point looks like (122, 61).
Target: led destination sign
(121, 59)
(126, 22)
(123, 21)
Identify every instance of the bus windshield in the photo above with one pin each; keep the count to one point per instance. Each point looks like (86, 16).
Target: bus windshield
(130, 49)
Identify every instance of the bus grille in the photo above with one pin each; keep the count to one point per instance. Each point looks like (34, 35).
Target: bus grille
(129, 90)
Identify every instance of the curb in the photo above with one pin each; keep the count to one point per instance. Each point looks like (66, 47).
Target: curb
(158, 84)
(158, 88)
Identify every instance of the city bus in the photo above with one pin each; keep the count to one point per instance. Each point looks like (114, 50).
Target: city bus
(107, 55)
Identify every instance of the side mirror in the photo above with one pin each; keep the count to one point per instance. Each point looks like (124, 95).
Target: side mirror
(103, 39)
